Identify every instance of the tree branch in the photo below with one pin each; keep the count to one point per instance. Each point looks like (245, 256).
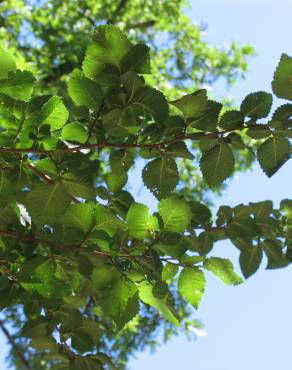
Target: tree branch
(15, 347)
(118, 10)
(126, 145)
(141, 25)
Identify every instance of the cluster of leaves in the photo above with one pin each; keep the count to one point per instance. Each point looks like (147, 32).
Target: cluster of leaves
(53, 35)
(78, 253)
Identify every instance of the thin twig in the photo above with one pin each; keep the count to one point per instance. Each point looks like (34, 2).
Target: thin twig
(15, 347)
(126, 145)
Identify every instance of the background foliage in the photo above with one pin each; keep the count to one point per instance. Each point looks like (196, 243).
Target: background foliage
(87, 263)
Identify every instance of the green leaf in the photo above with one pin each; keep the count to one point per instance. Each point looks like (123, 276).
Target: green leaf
(257, 105)
(273, 250)
(137, 59)
(83, 91)
(283, 113)
(105, 220)
(7, 64)
(208, 121)
(178, 149)
(85, 363)
(80, 216)
(250, 259)
(132, 82)
(192, 105)
(169, 271)
(175, 213)
(282, 82)
(273, 153)
(120, 160)
(6, 190)
(201, 214)
(163, 305)
(104, 55)
(46, 203)
(223, 269)
(231, 120)
(140, 222)
(116, 181)
(115, 299)
(191, 285)
(74, 131)
(53, 113)
(160, 176)
(18, 85)
(152, 101)
(217, 164)
(258, 132)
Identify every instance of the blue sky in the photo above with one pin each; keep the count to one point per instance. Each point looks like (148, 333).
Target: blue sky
(249, 327)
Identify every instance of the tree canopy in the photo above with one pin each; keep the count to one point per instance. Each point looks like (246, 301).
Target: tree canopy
(86, 271)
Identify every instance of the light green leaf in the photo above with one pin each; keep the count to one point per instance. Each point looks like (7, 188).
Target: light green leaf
(140, 222)
(103, 57)
(223, 269)
(116, 181)
(169, 271)
(282, 82)
(115, 299)
(18, 85)
(160, 176)
(83, 91)
(107, 221)
(46, 203)
(7, 64)
(175, 213)
(257, 105)
(191, 285)
(137, 59)
(273, 153)
(163, 305)
(74, 131)
(53, 113)
(192, 105)
(217, 164)
(79, 215)
(250, 259)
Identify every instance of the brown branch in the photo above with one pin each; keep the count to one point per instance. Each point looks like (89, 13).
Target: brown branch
(125, 145)
(142, 25)
(91, 146)
(15, 347)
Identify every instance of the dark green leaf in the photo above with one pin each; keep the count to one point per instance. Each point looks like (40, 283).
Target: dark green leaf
(250, 260)
(282, 83)
(217, 164)
(160, 176)
(273, 153)
(257, 105)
